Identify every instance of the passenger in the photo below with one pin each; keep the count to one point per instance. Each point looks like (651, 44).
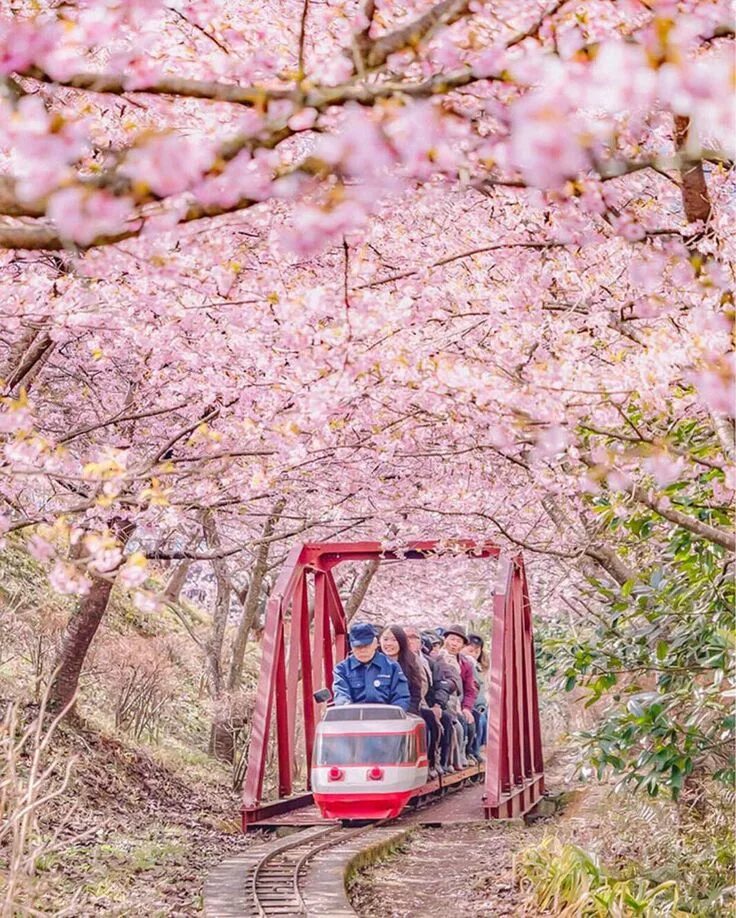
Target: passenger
(475, 649)
(448, 692)
(395, 646)
(367, 676)
(429, 712)
(444, 683)
(453, 678)
(431, 644)
(454, 642)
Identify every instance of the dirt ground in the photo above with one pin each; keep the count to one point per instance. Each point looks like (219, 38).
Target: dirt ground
(467, 870)
(463, 870)
(137, 837)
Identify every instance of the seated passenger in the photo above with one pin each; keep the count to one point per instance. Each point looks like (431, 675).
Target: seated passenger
(451, 677)
(442, 687)
(367, 676)
(475, 649)
(455, 641)
(428, 711)
(395, 646)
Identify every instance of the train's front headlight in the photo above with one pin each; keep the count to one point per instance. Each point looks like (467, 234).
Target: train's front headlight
(335, 774)
(375, 774)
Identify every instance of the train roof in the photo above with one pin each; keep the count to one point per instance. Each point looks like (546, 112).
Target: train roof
(364, 712)
(367, 718)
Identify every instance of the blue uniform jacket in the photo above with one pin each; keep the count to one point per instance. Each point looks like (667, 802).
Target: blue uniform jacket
(381, 681)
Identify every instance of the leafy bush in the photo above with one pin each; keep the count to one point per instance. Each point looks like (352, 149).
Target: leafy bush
(658, 658)
(569, 881)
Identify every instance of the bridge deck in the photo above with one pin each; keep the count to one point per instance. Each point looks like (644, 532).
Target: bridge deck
(276, 815)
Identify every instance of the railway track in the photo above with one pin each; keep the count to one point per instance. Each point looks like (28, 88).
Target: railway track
(273, 880)
(274, 884)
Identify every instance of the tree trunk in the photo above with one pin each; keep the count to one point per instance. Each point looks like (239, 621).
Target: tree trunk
(176, 581)
(357, 594)
(80, 632)
(213, 645)
(221, 738)
(695, 195)
(251, 601)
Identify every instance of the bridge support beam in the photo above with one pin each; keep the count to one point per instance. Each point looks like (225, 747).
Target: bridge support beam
(514, 764)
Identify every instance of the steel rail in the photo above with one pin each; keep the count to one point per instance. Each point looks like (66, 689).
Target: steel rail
(280, 901)
(308, 855)
(264, 909)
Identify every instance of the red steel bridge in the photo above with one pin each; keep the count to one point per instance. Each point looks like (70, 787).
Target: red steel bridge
(304, 639)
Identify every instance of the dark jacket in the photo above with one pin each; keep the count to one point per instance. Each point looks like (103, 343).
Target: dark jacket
(379, 681)
(445, 683)
(415, 690)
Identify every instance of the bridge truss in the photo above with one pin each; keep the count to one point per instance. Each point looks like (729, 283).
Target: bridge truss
(305, 635)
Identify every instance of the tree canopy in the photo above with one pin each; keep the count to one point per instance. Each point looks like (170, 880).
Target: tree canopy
(387, 269)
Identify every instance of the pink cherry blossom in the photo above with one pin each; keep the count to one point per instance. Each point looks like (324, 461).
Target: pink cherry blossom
(716, 385)
(66, 578)
(664, 468)
(81, 216)
(169, 165)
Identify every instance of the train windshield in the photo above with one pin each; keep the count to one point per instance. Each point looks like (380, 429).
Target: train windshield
(365, 749)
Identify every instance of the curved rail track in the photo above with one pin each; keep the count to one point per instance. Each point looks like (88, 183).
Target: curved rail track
(273, 884)
(276, 878)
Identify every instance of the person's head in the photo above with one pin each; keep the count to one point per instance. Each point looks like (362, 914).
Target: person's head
(455, 639)
(475, 648)
(432, 642)
(395, 645)
(414, 639)
(394, 642)
(363, 642)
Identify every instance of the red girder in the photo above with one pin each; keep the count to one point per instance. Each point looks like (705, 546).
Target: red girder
(514, 769)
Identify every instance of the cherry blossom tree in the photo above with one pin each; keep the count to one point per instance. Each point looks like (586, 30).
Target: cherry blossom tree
(395, 269)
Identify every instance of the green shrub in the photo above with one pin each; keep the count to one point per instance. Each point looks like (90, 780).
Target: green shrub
(569, 881)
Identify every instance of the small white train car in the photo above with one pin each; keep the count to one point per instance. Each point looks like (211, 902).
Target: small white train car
(369, 760)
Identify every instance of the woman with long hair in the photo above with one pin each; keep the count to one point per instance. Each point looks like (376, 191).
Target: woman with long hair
(395, 644)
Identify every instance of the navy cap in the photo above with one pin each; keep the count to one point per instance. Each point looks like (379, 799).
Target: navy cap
(361, 634)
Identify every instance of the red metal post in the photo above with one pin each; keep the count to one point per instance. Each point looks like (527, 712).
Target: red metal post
(258, 749)
(497, 763)
(283, 736)
(310, 706)
(534, 722)
(337, 614)
(295, 651)
(514, 771)
(318, 646)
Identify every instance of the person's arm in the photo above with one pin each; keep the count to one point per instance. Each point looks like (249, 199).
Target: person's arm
(470, 690)
(399, 689)
(340, 687)
(415, 694)
(441, 685)
(425, 682)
